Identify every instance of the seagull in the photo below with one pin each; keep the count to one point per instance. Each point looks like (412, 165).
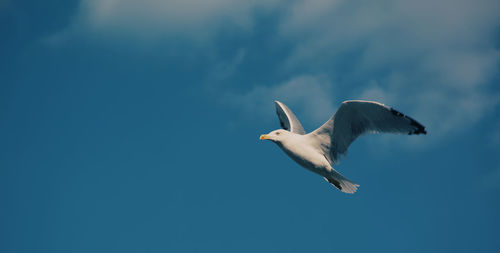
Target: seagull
(322, 148)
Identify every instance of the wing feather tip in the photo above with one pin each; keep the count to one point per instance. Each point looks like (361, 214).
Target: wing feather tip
(420, 129)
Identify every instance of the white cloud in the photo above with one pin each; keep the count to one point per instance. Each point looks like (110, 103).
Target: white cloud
(149, 20)
(310, 97)
(434, 59)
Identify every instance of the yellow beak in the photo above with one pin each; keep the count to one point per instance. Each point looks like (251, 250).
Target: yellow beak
(264, 137)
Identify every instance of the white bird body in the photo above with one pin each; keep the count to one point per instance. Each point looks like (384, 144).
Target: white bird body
(318, 150)
(303, 150)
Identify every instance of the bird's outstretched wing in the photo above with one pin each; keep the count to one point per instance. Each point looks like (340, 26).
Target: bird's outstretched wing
(357, 117)
(288, 120)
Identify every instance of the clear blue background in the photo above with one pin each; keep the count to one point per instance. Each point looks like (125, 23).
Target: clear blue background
(114, 140)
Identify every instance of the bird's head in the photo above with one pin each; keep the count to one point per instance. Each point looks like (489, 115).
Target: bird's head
(275, 136)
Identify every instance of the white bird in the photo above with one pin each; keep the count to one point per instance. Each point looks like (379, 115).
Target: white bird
(319, 150)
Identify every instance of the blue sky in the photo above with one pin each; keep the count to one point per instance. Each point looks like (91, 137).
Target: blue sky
(132, 126)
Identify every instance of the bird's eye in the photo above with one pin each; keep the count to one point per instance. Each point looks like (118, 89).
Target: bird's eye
(277, 133)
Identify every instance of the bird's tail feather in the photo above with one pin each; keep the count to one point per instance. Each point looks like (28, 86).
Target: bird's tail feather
(341, 182)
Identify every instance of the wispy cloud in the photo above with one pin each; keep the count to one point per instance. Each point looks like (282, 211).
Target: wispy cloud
(310, 97)
(225, 69)
(432, 60)
(435, 58)
(152, 20)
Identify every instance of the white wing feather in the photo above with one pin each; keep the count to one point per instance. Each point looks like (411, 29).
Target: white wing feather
(357, 117)
(288, 120)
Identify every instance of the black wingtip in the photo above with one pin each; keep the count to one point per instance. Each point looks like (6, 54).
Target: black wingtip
(420, 129)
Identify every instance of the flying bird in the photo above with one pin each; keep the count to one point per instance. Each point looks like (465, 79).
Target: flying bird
(320, 149)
